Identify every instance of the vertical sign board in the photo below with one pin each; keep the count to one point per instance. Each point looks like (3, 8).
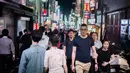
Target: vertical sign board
(124, 23)
(2, 25)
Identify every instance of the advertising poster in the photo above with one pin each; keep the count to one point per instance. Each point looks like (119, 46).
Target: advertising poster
(129, 33)
(92, 5)
(124, 24)
(124, 21)
(86, 14)
(86, 1)
(91, 21)
(2, 25)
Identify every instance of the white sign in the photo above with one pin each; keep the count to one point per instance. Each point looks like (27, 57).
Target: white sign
(91, 21)
(124, 21)
(87, 1)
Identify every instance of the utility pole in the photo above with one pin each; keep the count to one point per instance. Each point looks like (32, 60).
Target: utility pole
(38, 9)
(102, 13)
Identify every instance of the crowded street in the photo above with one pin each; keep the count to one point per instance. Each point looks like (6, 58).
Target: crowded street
(64, 36)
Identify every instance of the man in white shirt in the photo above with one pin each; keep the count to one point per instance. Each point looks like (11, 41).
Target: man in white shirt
(45, 39)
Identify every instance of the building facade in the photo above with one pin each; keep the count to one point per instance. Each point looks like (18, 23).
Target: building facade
(117, 12)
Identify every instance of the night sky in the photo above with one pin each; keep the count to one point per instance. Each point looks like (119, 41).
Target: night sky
(66, 6)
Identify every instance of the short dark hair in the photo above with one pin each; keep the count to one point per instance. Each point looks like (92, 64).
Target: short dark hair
(83, 25)
(36, 35)
(20, 33)
(93, 33)
(71, 30)
(25, 30)
(42, 29)
(5, 32)
(54, 40)
(105, 40)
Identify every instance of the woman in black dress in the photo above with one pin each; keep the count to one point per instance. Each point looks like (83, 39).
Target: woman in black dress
(104, 58)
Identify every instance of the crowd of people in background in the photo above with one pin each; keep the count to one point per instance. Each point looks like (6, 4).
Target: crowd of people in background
(57, 51)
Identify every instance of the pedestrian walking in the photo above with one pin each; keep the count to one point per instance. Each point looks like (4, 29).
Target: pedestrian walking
(55, 60)
(104, 58)
(25, 41)
(7, 52)
(32, 60)
(68, 45)
(45, 39)
(81, 52)
(98, 45)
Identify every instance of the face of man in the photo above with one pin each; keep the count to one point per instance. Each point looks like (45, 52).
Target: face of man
(83, 30)
(71, 34)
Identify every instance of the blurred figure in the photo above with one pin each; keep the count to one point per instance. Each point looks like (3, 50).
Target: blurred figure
(97, 43)
(45, 39)
(49, 33)
(32, 60)
(104, 58)
(55, 32)
(18, 46)
(62, 36)
(68, 45)
(55, 60)
(25, 41)
(20, 35)
(7, 52)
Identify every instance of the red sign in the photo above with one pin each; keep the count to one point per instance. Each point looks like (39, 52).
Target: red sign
(44, 12)
(87, 6)
(36, 26)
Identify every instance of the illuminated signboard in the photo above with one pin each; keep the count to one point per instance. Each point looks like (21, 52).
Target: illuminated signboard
(124, 21)
(2, 25)
(91, 21)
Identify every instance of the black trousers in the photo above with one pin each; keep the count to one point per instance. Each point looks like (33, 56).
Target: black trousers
(5, 63)
(92, 68)
(69, 65)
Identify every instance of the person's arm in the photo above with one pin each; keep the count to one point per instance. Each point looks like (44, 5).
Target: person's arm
(95, 55)
(46, 62)
(23, 63)
(64, 48)
(73, 58)
(64, 63)
(13, 49)
(111, 60)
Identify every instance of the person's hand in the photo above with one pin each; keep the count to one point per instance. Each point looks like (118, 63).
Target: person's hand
(96, 67)
(73, 68)
(105, 64)
(13, 57)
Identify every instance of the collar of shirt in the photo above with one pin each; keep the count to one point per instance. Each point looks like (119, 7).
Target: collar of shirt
(96, 41)
(5, 37)
(34, 45)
